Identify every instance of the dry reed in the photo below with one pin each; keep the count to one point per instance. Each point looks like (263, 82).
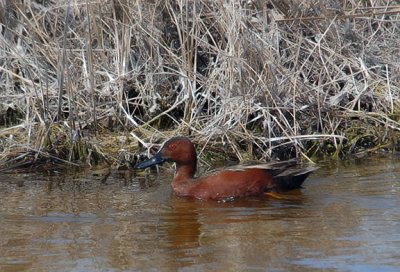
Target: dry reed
(245, 79)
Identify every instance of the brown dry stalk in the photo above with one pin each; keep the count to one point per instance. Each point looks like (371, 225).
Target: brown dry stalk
(244, 79)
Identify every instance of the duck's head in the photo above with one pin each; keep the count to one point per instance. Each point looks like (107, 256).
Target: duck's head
(177, 149)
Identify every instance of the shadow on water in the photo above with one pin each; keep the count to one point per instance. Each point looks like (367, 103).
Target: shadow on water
(345, 218)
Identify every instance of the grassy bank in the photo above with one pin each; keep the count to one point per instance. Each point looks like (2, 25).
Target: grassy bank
(82, 81)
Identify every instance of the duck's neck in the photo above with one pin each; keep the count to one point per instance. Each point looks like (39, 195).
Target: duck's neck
(185, 172)
(182, 182)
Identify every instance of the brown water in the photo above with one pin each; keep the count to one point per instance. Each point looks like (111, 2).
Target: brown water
(347, 218)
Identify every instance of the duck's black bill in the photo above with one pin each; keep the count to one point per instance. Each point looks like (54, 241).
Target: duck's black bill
(157, 159)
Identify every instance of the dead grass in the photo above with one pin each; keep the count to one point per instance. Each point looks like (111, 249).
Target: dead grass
(248, 80)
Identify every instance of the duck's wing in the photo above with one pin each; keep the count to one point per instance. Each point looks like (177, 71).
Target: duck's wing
(276, 168)
(286, 175)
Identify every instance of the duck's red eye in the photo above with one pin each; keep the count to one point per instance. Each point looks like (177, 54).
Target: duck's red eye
(173, 145)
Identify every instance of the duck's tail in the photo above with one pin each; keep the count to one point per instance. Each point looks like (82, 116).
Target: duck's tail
(292, 177)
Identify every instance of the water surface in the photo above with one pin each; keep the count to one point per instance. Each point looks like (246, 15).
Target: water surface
(346, 218)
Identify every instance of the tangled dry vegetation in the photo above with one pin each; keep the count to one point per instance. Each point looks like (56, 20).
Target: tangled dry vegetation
(82, 80)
